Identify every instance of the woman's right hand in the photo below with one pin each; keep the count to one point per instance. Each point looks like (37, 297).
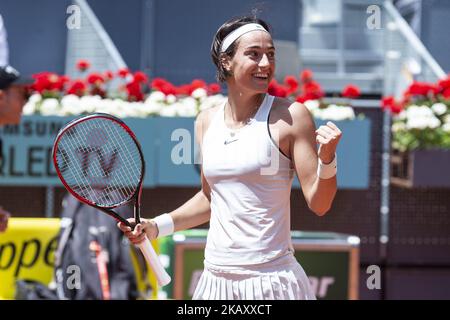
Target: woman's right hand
(147, 227)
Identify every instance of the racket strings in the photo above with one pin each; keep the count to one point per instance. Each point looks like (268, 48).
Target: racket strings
(124, 190)
(100, 161)
(98, 172)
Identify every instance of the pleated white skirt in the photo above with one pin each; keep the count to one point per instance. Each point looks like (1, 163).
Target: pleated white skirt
(282, 279)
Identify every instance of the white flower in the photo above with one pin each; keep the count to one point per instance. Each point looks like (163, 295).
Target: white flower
(70, 105)
(152, 107)
(423, 123)
(134, 110)
(336, 113)
(170, 99)
(169, 111)
(398, 126)
(418, 112)
(50, 106)
(35, 98)
(88, 104)
(312, 104)
(212, 101)
(199, 93)
(156, 96)
(446, 127)
(439, 108)
(186, 107)
(31, 106)
(400, 116)
(447, 118)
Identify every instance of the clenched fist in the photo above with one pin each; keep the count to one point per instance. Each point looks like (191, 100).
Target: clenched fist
(328, 136)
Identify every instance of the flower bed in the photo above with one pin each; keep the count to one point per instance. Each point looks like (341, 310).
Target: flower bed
(421, 135)
(421, 119)
(162, 117)
(137, 96)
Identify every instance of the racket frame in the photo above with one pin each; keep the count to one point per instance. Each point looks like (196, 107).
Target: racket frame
(106, 209)
(145, 246)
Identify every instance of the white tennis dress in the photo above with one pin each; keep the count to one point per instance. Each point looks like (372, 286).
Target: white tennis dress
(249, 254)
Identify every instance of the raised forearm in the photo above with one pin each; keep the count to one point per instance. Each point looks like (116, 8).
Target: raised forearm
(322, 195)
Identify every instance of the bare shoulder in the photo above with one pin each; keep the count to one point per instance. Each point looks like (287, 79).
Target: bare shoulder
(294, 115)
(204, 119)
(206, 115)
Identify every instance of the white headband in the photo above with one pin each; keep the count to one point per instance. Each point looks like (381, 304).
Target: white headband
(232, 36)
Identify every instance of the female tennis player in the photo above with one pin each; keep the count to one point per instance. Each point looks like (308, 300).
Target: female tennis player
(251, 147)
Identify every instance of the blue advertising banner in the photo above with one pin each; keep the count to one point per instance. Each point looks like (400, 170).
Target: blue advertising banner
(169, 148)
(27, 150)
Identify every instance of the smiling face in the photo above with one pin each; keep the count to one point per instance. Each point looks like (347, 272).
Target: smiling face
(253, 65)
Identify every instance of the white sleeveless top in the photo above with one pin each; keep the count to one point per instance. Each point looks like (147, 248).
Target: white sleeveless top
(250, 182)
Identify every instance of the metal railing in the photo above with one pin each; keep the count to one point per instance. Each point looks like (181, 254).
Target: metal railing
(91, 42)
(406, 57)
(406, 60)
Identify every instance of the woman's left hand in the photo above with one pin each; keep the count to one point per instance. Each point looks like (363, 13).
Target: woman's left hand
(328, 136)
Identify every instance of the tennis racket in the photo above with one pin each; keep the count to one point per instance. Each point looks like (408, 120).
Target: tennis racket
(100, 162)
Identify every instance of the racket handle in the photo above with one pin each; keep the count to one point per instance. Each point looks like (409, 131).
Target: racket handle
(153, 260)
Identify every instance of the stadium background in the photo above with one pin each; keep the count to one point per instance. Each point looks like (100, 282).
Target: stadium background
(171, 39)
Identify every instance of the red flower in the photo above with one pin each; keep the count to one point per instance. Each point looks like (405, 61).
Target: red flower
(64, 79)
(291, 83)
(108, 75)
(301, 99)
(214, 88)
(48, 81)
(134, 91)
(95, 78)
(444, 84)
(78, 88)
(306, 75)
(305, 97)
(168, 88)
(277, 90)
(422, 89)
(140, 77)
(198, 83)
(98, 91)
(396, 108)
(389, 103)
(83, 65)
(123, 72)
(446, 93)
(351, 91)
(164, 86)
(313, 90)
(184, 89)
(157, 83)
(272, 89)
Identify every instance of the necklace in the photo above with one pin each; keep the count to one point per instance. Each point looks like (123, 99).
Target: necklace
(233, 133)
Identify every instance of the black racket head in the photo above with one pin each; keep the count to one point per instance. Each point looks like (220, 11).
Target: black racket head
(99, 161)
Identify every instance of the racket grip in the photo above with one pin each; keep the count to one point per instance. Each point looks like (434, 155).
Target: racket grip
(153, 260)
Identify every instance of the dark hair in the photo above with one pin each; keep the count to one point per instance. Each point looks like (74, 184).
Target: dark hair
(223, 31)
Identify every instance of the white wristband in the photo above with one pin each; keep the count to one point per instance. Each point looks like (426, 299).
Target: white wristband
(165, 225)
(327, 171)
